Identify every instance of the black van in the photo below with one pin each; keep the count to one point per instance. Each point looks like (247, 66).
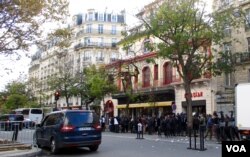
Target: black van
(9, 122)
(69, 128)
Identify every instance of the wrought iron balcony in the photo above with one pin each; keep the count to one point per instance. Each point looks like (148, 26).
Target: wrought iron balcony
(95, 44)
(242, 57)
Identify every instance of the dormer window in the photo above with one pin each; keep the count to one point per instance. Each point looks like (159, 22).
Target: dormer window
(100, 17)
(113, 18)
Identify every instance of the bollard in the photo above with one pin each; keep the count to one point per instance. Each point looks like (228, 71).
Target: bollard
(202, 138)
(190, 138)
(195, 135)
(139, 131)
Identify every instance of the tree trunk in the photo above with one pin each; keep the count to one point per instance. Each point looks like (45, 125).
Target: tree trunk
(188, 96)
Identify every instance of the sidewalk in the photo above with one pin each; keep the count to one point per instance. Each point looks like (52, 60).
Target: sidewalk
(33, 151)
(18, 150)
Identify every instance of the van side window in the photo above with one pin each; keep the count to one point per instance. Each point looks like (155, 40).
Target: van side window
(25, 112)
(59, 118)
(51, 120)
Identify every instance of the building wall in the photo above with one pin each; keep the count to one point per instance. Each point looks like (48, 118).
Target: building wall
(48, 61)
(239, 44)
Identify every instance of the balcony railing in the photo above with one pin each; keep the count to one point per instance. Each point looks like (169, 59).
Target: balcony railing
(94, 44)
(242, 57)
(100, 59)
(113, 59)
(87, 58)
(97, 31)
(165, 83)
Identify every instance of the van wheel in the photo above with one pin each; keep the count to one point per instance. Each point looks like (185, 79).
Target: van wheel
(93, 148)
(53, 146)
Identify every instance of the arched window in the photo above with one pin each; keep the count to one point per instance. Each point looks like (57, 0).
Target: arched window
(167, 73)
(146, 77)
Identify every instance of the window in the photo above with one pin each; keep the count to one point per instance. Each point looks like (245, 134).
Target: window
(87, 40)
(51, 120)
(87, 56)
(228, 79)
(101, 17)
(89, 28)
(100, 28)
(146, 45)
(91, 16)
(113, 31)
(113, 18)
(248, 44)
(113, 42)
(247, 15)
(100, 41)
(114, 56)
(227, 30)
(167, 73)
(227, 47)
(156, 72)
(146, 77)
(100, 56)
(248, 75)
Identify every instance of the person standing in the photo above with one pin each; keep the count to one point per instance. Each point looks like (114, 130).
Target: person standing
(216, 127)
(116, 123)
(103, 124)
(209, 127)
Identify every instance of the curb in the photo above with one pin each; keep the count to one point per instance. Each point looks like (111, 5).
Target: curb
(34, 151)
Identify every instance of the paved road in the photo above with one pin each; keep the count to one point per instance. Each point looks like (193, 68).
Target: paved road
(124, 145)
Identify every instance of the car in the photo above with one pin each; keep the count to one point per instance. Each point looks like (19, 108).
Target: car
(68, 128)
(27, 123)
(9, 122)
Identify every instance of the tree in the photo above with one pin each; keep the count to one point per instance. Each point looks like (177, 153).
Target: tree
(16, 101)
(21, 22)
(64, 80)
(186, 33)
(95, 84)
(16, 88)
(17, 96)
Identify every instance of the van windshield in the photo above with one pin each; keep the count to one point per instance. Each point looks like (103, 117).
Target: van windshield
(79, 118)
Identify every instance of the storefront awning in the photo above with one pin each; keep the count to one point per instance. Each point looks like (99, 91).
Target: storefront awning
(157, 104)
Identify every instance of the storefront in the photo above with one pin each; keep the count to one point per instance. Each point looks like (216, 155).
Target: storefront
(202, 98)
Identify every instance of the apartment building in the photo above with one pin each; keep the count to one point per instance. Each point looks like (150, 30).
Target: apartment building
(236, 42)
(95, 37)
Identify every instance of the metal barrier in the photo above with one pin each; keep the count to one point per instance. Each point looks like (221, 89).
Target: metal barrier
(15, 132)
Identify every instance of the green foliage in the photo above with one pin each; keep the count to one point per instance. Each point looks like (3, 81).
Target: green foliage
(98, 82)
(16, 101)
(63, 37)
(16, 96)
(21, 22)
(224, 64)
(16, 88)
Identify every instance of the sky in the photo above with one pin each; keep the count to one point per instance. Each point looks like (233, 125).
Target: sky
(18, 70)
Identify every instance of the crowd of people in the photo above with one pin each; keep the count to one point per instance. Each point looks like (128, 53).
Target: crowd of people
(213, 126)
